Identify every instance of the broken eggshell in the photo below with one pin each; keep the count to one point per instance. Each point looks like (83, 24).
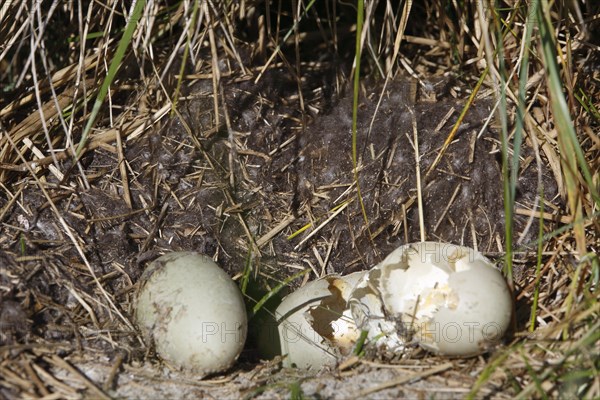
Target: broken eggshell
(448, 299)
(192, 312)
(315, 326)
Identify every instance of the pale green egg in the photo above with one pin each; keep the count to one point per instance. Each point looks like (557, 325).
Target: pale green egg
(192, 312)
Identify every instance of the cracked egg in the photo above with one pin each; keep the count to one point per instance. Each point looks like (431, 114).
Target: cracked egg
(448, 299)
(314, 323)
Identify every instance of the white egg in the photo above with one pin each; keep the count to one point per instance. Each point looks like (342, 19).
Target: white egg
(192, 312)
(449, 299)
(314, 323)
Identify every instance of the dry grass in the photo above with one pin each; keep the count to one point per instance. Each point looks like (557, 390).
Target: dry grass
(63, 307)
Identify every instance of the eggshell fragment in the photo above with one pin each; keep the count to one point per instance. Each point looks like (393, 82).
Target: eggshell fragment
(314, 323)
(192, 312)
(448, 299)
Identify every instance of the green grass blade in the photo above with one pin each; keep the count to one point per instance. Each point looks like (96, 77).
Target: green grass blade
(276, 290)
(355, 92)
(540, 247)
(587, 103)
(537, 382)
(296, 392)
(560, 108)
(571, 152)
(522, 102)
(112, 72)
(508, 187)
(247, 272)
(360, 344)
